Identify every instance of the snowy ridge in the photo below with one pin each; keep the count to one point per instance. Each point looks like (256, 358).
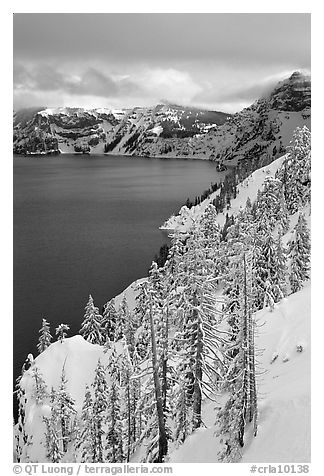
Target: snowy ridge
(247, 189)
(79, 359)
(258, 132)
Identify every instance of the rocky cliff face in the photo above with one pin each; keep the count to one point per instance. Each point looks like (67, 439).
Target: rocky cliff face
(103, 130)
(260, 132)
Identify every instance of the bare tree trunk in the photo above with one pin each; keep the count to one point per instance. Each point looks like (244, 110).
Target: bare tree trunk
(251, 351)
(165, 360)
(129, 429)
(197, 397)
(245, 358)
(163, 442)
(253, 390)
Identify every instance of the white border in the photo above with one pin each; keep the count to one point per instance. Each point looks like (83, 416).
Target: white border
(169, 6)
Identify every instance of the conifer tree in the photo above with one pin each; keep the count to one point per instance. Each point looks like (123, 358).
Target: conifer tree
(53, 450)
(40, 391)
(99, 413)
(142, 338)
(280, 272)
(114, 436)
(65, 412)
(45, 337)
(271, 206)
(241, 406)
(176, 252)
(53, 435)
(211, 235)
(85, 439)
(183, 416)
(299, 253)
(295, 170)
(109, 319)
(61, 332)
(199, 339)
(123, 320)
(21, 436)
(156, 433)
(91, 327)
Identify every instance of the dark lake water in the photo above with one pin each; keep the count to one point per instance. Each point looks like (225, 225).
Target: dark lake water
(88, 225)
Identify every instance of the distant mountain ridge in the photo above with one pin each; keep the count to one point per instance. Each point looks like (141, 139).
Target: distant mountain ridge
(101, 130)
(261, 131)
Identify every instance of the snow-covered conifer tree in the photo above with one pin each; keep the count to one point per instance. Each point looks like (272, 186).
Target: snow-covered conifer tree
(114, 435)
(40, 392)
(299, 254)
(109, 319)
(85, 439)
(99, 412)
(45, 337)
(91, 327)
(271, 206)
(280, 272)
(53, 436)
(61, 332)
(295, 170)
(142, 337)
(156, 433)
(241, 406)
(21, 436)
(199, 338)
(122, 315)
(182, 404)
(65, 412)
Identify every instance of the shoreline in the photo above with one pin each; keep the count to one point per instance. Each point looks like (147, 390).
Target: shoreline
(161, 157)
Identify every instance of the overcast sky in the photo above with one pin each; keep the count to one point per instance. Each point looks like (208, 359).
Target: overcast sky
(217, 61)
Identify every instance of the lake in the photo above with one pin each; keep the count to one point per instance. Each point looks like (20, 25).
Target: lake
(88, 224)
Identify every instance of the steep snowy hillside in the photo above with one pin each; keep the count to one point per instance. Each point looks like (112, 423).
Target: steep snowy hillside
(283, 339)
(247, 189)
(79, 359)
(262, 130)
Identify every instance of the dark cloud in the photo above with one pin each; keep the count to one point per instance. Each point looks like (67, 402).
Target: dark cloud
(247, 93)
(92, 82)
(266, 38)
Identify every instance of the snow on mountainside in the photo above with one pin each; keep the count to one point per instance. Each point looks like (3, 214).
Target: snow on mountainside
(283, 385)
(284, 392)
(247, 189)
(103, 130)
(79, 359)
(261, 131)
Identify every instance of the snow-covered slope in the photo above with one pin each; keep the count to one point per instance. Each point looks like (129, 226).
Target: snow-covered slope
(247, 189)
(79, 359)
(283, 387)
(283, 340)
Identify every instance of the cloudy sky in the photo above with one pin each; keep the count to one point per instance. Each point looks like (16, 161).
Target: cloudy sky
(216, 61)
